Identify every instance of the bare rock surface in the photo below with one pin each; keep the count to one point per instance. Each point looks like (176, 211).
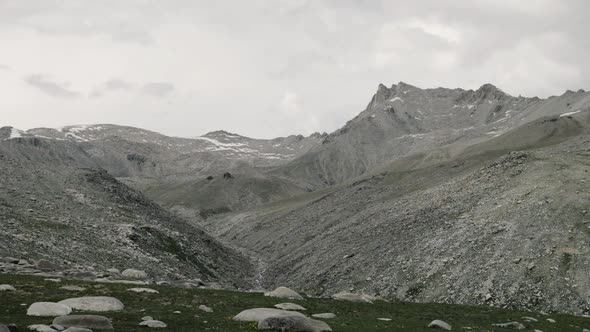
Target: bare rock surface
(293, 323)
(284, 293)
(289, 306)
(94, 303)
(85, 321)
(48, 309)
(258, 314)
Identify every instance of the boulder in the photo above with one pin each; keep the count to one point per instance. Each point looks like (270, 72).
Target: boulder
(258, 314)
(4, 328)
(94, 303)
(48, 309)
(40, 328)
(284, 293)
(346, 296)
(86, 321)
(4, 288)
(205, 308)
(326, 315)
(76, 329)
(45, 265)
(289, 306)
(439, 324)
(143, 290)
(134, 274)
(293, 323)
(153, 324)
(510, 325)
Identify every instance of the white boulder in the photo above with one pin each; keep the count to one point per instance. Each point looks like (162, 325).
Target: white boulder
(94, 303)
(284, 293)
(48, 309)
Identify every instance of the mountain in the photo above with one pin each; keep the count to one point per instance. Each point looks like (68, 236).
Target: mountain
(404, 120)
(428, 195)
(503, 222)
(184, 173)
(56, 204)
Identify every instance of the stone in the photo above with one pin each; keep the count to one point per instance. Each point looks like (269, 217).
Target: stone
(41, 328)
(94, 303)
(325, 315)
(48, 309)
(510, 325)
(77, 329)
(45, 265)
(346, 296)
(439, 324)
(5, 288)
(153, 324)
(293, 323)
(384, 319)
(4, 328)
(205, 308)
(289, 306)
(551, 320)
(258, 314)
(147, 318)
(73, 288)
(529, 319)
(143, 290)
(114, 271)
(53, 279)
(284, 293)
(134, 274)
(85, 321)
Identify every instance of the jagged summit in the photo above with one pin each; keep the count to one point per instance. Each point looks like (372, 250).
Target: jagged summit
(222, 133)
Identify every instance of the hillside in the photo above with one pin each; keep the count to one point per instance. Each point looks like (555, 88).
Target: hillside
(503, 223)
(55, 204)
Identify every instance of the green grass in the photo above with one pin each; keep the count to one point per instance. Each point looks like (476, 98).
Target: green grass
(350, 316)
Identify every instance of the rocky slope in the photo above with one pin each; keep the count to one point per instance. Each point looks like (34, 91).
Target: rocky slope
(55, 204)
(504, 222)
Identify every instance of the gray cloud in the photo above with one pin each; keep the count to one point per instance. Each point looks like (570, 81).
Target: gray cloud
(112, 85)
(51, 87)
(157, 89)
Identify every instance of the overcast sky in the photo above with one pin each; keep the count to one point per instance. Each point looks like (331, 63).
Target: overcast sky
(267, 68)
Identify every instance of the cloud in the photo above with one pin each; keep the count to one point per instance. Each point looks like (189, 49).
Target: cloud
(5, 67)
(112, 85)
(51, 87)
(157, 89)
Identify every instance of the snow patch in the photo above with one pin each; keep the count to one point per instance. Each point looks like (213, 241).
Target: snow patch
(218, 143)
(570, 113)
(15, 133)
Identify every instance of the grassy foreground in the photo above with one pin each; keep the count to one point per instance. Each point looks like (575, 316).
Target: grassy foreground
(350, 316)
